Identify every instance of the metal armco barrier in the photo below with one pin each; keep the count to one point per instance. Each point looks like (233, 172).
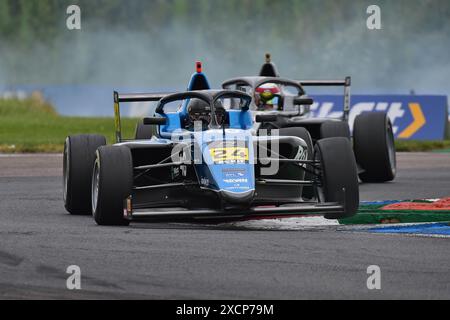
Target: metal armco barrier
(414, 117)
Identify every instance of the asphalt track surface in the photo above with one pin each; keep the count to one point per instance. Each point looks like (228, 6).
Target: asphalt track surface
(38, 241)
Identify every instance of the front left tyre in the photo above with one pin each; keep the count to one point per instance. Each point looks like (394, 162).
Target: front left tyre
(112, 180)
(78, 161)
(339, 180)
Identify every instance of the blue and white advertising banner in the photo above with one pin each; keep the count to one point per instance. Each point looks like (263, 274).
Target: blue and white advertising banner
(415, 117)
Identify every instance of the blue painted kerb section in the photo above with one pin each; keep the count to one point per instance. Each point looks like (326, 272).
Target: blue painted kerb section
(423, 229)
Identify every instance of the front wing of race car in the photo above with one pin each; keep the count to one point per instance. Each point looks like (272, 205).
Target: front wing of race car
(264, 211)
(299, 208)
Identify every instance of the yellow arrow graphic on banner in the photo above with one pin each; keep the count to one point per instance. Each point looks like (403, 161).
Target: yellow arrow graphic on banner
(419, 121)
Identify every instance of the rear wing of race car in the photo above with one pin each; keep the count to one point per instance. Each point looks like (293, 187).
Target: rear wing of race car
(346, 83)
(133, 97)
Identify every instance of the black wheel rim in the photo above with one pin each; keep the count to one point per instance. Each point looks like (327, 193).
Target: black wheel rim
(391, 147)
(66, 168)
(95, 186)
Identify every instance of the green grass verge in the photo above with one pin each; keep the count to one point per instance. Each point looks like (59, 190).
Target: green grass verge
(396, 217)
(32, 125)
(413, 145)
(374, 214)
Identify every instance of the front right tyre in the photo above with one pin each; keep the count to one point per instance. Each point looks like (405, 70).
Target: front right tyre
(112, 180)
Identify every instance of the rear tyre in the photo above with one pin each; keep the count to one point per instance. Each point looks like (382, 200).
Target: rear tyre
(144, 132)
(112, 180)
(374, 147)
(331, 129)
(338, 172)
(78, 161)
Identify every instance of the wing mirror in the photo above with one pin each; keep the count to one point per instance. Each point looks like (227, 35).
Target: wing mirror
(260, 118)
(303, 101)
(155, 121)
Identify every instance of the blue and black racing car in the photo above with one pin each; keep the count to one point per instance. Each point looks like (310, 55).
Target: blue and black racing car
(199, 157)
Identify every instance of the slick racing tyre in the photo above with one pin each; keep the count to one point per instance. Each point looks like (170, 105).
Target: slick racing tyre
(112, 180)
(78, 161)
(330, 129)
(144, 132)
(338, 173)
(374, 147)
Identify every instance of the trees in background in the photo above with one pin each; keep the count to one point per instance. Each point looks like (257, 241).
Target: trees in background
(309, 37)
(43, 20)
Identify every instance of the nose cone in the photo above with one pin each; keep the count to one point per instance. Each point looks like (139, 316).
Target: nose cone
(237, 197)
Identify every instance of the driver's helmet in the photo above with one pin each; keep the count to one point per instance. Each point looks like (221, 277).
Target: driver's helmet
(265, 96)
(200, 110)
